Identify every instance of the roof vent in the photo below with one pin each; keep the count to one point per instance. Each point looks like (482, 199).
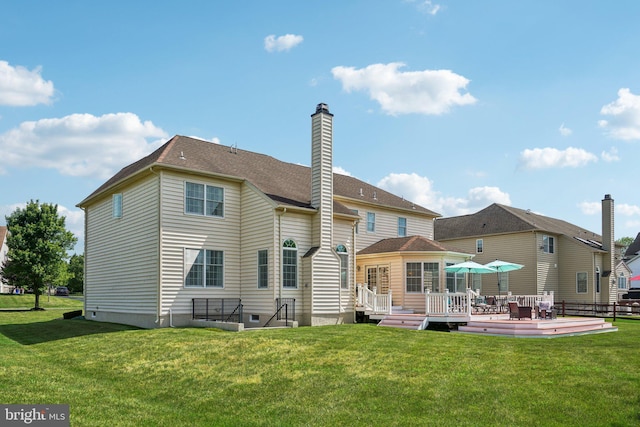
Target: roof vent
(375, 197)
(361, 193)
(182, 157)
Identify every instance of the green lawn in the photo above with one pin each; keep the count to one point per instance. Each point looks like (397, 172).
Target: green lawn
(357, 375)
(9, 301)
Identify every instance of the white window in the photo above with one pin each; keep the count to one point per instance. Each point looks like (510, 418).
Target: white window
(422, 276)
(344, 266)
(479, 246)
(402, 227)
(203, 199)
(622, 281)
(203, 268)
(547, 244)
(116, 205)
(371, 222)
(263, 269)
(581, 282)
(289, 264)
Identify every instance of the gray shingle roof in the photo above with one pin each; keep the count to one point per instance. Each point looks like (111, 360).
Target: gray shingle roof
(285, 183)
(407, 244)
(633, 248)
(500, 219)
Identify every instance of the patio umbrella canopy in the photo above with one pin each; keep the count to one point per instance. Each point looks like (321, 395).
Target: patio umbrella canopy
(469, 267)
(503, 267)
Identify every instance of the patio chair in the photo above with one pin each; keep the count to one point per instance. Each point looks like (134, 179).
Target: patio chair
(545, 310)
(492, 305)
(519, 312)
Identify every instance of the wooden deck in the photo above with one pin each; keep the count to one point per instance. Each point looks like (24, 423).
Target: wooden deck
(501, 325)
(539, 328)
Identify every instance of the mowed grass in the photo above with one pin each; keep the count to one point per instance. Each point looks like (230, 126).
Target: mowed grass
(27, 301)
(356, 375)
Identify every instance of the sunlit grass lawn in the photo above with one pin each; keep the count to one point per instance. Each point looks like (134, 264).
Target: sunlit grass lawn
(9, 301)
(354, 375)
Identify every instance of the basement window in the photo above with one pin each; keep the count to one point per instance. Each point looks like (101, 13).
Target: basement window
(255, 318)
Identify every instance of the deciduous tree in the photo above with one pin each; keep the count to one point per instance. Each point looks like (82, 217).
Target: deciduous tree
(38, 244)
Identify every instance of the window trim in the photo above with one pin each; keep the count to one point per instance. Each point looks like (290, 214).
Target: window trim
(205, 266)
(371, 222)
(422, 271)
(290, 245)
(205, 188)
(116, 205)
(548, 244)
(585, 280)
(402, 227)
(343, 255)
(261, 269)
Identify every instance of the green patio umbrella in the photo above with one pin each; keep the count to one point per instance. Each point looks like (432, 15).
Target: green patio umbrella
(503, 267)
(469, 267)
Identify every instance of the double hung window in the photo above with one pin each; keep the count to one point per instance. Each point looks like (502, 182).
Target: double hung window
(201, 199)
(204, 268)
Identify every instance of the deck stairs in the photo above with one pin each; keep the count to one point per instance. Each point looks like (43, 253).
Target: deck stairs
(405, 320)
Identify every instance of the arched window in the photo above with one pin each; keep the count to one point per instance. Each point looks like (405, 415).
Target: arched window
(289, 264)
(344, 266)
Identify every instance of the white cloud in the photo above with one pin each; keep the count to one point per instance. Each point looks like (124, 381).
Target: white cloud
(611, 155)
(627, 210)
(430, 92)
(20, 87)
(80, 144)
(590, 208)
(426, 6)
(544, 158)
(565, 131)
(341, 171)
(282, 43)
(419, 189)
(624, 113)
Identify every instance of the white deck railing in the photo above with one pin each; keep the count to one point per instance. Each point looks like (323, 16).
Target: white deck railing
(373, 302)
(460, 303)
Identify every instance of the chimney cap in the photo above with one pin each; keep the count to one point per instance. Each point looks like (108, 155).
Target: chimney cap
(322, 108)
(607, 196)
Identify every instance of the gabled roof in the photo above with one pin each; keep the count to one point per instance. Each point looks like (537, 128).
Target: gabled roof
(406, 244)
(285, 183)
(501, 219)
(633, 248)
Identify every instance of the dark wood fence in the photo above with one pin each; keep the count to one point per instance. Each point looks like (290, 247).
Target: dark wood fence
(626, 309)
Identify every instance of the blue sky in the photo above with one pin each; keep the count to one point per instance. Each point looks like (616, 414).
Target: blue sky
(452, 104)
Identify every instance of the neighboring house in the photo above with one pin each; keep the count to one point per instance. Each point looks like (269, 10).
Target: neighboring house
(196, 219)
(632, 256)
(575, 264)
(4, 249)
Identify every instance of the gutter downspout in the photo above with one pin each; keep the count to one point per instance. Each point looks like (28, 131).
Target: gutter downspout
(84, 266)
(354, 298)
(159, 278)
(280, 278)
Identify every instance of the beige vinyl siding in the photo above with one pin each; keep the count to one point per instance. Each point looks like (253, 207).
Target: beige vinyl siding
(297, 227)
(520, 248)
(182, 231)
(387, 224)
(326, 282)
(548, 264)
(343, 235)
(257, 232)
(575, 258)
(122, 253)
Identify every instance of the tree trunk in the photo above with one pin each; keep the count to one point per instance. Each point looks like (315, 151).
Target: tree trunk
(36, 292)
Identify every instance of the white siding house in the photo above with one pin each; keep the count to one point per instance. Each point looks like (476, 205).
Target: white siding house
(196, 221)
